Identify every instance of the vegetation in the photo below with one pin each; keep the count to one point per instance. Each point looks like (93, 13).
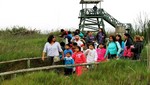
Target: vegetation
(121, 72)
(19, 42)
(142, 28)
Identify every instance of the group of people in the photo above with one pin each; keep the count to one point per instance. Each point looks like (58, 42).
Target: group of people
(89, 48)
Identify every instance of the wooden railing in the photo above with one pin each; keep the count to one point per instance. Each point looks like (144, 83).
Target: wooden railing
(23, 59)
(43, 68)
(22, 64)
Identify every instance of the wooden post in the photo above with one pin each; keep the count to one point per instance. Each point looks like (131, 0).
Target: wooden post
(28, 63)
(148, 56)
(2, 78)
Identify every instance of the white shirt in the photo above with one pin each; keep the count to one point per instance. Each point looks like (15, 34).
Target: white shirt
(91, 55)
(79, 43)
(52, 50)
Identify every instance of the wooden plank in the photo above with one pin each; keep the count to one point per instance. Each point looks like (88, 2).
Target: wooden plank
(23, 59)
(43, 68)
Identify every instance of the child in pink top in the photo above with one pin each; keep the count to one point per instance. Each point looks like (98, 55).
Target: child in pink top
(101, 50)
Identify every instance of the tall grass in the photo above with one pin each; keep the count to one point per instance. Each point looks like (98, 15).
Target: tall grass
(16, 43)
(142, 28)
(110, 73)
(16, 47)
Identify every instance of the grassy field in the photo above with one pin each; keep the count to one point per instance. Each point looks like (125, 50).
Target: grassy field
(22, 46)
(26, 46)
(15, 47)
(121, 72)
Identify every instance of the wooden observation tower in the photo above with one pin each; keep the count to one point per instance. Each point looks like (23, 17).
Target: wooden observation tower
(93, 18)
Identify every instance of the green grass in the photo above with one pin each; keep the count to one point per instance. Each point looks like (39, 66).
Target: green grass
(122, 72)
(22, 46)
(15, 47)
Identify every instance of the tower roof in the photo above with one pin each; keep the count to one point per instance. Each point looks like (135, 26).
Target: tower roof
(90, 1)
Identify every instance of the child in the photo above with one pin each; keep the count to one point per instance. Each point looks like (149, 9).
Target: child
(68, 60)
(67, 49)
(79, 58)
(137, 48)
(69, 37)
(74, 44)
(101, 50)
(91, 54)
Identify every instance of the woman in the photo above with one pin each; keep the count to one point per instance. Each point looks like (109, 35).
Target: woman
(128, 45)
(113, 49)
(52, 48)
(101, 36)
(121, 42)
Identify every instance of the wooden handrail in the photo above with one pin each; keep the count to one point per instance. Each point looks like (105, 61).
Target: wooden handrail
(23, 59)
(43, 68)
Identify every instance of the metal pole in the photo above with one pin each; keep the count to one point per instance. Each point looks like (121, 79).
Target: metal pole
(86, 6)
(100, 4)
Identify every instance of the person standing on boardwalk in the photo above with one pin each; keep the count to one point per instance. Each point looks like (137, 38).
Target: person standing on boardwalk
(121, 42)
(100, 37)
(91, 54)
(128, 46)
(79, 58)
(68, 60)
(113, 48)
(137, 49)
(52, 48)
(101, 51)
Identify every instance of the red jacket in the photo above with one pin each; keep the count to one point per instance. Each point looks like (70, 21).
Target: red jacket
(79, 57)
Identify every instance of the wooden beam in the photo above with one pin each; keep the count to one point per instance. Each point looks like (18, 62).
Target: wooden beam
(43, 68)
(23, 59)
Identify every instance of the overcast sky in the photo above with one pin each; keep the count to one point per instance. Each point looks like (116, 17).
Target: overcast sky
(55, 14)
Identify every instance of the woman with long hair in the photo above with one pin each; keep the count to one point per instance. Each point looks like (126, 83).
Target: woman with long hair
(52, 48)
(121, 42)
(128, 45)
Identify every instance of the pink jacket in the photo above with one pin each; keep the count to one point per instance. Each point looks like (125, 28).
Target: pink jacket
(101, 54)
(79, 57)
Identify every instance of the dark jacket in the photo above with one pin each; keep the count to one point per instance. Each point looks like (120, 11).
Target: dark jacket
(138, 46)
(129, 42)
(90, 39)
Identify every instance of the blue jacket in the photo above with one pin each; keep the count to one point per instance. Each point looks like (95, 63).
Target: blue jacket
(69, 61)
(113, 48)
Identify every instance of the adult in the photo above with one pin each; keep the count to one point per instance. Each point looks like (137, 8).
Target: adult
(113, 49)
(78, 41)
(52, 48)
(90, 38)
(95, 9)
(101, 36)
(69, 37)
(121, 42)
(77, 32)
(138, 46)
(128, 45)
(63, 33)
